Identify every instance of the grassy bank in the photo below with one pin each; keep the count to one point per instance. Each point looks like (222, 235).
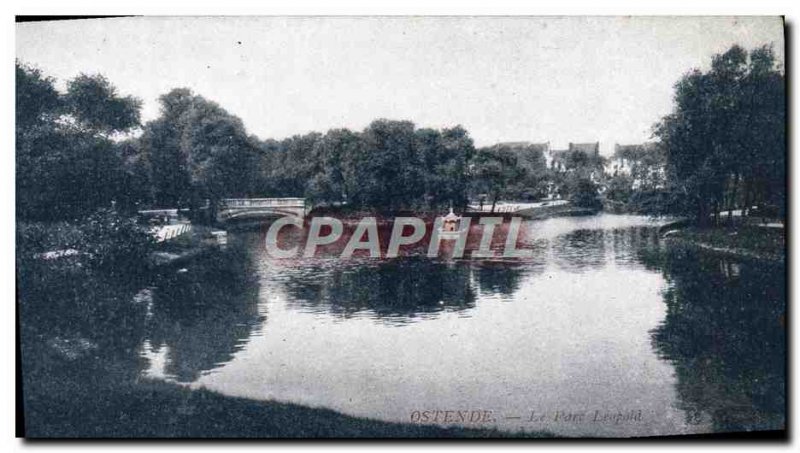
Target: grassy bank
(747, 241)
(154, 409)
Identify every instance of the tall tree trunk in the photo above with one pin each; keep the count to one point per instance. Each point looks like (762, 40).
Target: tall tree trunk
(703, 217)
(716, 212)
(732, 198)
(748, 201)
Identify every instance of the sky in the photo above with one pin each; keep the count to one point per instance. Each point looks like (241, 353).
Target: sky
(538, 79)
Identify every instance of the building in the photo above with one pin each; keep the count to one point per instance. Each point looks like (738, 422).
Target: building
(562, 159)
(581, 158)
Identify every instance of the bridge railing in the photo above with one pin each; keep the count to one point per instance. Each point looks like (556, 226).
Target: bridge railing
(263, 202)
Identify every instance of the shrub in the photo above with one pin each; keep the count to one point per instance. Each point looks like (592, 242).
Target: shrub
(114, 243)
(585, 195)
(106, 242)
(87, 293)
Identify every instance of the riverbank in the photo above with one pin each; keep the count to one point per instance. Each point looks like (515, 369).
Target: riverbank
(745, 241)
(352, 216)
(155, 409)
(546, 212)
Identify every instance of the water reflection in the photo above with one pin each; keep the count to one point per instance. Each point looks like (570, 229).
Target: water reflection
(580, 250)
(404, 287)
(724, 333)
(202, 315)
(606, 316)
(399, 290)
(628, 243)
(502, 278)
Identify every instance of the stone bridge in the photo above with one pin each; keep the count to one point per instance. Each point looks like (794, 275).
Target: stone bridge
(261, 208)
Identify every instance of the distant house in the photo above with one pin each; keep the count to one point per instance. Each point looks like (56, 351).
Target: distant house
(583, 158)
(561, 159)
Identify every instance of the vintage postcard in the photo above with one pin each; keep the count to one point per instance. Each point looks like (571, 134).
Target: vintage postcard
(418, 227)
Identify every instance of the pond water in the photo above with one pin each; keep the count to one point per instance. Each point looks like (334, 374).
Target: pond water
(606, 331)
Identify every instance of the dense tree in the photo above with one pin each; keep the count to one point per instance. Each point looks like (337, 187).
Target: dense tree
(334, 175)
(136, 175)
(495, 172)
(584, 193)
(576, 168)
(67, 165)
(96, 106)
(198, 151)
(444, 157)
(619, 187)
(642, 164)
(727, 131)
(390, 165)
(533, 183)
(637, 181)
(161, 145)
(37, 101)
(293, 165)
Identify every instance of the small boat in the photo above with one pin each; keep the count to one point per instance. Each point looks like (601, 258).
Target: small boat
(451, 224)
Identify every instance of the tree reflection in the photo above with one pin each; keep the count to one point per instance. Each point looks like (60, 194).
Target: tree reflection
(395, 288)
(400, 289)
(580, 250)
(628, 242)
(499, 278)
(724, 332)
(203, 316)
